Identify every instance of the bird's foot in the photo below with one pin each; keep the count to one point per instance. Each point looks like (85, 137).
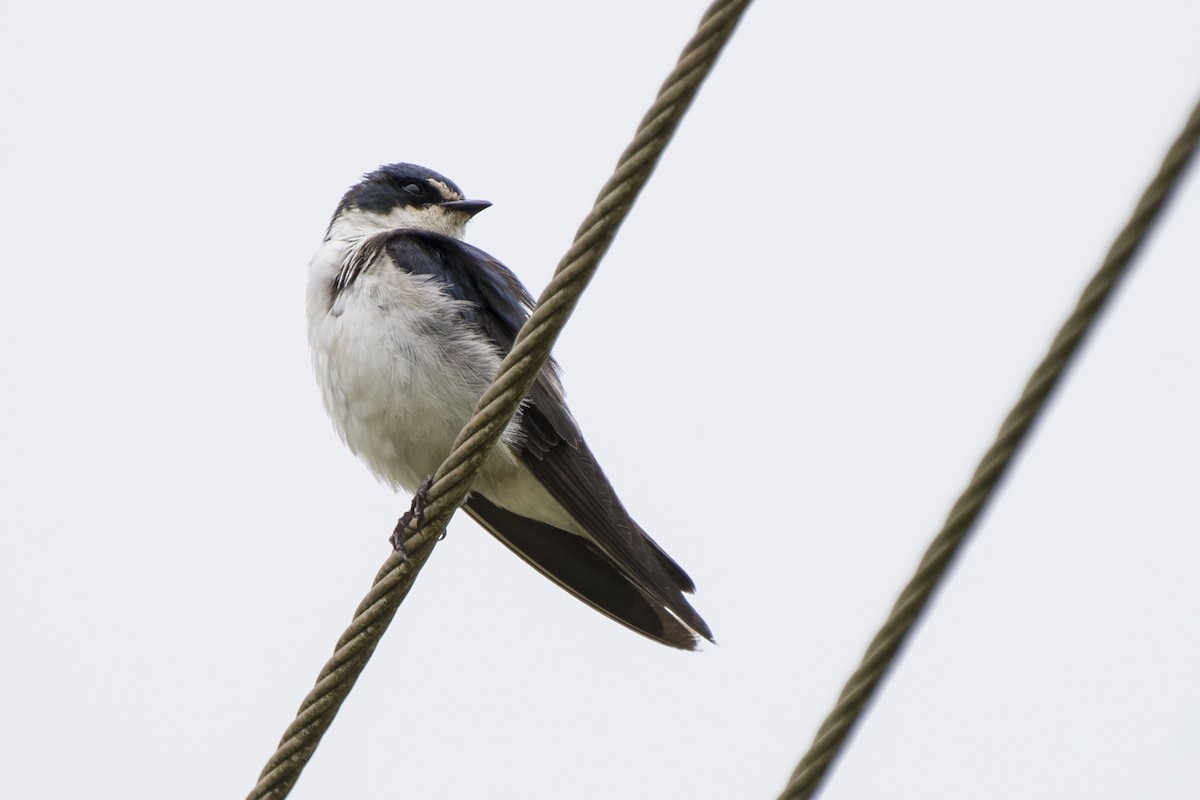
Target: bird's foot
(415, 513)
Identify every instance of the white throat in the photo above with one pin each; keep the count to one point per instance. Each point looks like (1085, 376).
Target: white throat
(354, 223)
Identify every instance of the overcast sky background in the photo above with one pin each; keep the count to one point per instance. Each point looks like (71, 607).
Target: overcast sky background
(853, 254)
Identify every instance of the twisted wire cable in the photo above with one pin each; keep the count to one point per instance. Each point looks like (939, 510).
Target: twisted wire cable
(453, 479)
(881, 653)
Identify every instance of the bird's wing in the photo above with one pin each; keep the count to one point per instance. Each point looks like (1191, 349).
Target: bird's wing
(552, 448)
(573, 477)
(576, 565)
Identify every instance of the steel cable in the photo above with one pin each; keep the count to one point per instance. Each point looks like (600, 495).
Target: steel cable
(881, 653)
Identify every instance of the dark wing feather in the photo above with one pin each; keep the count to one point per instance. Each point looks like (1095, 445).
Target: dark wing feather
(575, 480)
(555, 452)
(575, 565)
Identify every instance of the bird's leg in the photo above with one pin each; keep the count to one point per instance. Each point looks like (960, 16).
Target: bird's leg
(416, 512)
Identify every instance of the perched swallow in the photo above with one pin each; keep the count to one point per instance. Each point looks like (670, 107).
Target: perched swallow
(408, 325)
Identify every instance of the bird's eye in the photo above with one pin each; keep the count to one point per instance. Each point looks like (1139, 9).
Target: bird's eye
(415, 189)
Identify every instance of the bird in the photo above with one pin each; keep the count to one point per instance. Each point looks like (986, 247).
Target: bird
(408, 324)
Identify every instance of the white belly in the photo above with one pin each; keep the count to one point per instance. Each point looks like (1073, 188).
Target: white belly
(399, 374)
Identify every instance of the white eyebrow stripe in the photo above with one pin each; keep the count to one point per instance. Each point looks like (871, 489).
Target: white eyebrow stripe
(445, 190)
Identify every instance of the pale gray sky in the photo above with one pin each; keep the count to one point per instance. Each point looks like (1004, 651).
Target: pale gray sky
(860, 243)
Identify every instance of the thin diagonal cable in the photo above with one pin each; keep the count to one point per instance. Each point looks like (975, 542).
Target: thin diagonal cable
(497, 406)
(882, 652)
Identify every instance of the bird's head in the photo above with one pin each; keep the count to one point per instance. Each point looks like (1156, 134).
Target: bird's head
(404, 196)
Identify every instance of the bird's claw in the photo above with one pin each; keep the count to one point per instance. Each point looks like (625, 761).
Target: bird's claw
(415, 513)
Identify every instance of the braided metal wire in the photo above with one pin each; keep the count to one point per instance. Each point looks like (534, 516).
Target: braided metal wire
(882, 652)
(453, 479)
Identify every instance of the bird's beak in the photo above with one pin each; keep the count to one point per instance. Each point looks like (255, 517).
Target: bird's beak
(468, 207)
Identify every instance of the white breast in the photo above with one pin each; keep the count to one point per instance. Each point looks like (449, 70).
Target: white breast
(399, 372)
